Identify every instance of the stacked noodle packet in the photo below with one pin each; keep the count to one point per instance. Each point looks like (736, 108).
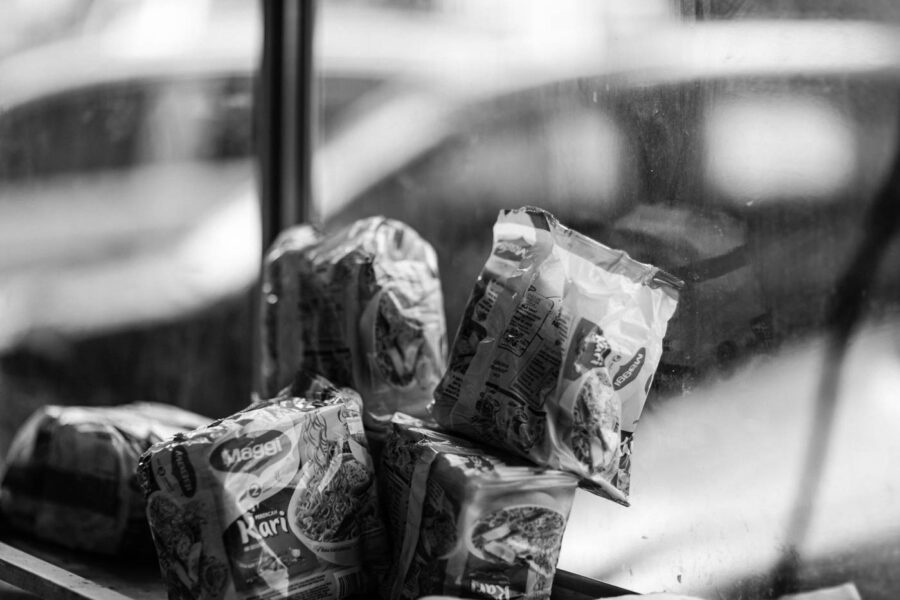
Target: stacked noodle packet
(467, 522)
(556, 351)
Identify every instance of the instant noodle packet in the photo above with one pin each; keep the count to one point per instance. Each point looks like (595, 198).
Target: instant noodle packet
(274, 501)
(362, 307)
(557, 349)
(466, 522)
(70, 474)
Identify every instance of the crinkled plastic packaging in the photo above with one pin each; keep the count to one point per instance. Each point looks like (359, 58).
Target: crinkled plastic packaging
(362, 307)
(277, 500)
(557, 349)
(465, 522)
(70, 475)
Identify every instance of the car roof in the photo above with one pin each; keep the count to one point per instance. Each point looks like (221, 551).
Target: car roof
(355, 42)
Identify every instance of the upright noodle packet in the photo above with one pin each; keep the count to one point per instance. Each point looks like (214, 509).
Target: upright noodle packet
(362, 307)
(467, 523)
(557, 349)
(70, 475)
(277, 500)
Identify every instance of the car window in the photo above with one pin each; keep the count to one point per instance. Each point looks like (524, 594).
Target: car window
(744, 147)
(126, 125)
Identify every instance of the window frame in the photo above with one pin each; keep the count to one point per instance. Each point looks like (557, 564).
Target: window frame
(286, 120)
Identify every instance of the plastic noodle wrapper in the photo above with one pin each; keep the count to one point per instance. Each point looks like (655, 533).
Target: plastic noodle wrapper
(465, 522)
(275, 501)
(557, 349)
(70, 474)
(362, 307)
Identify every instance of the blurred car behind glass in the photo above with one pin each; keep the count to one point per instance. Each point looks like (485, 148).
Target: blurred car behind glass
(742, 156)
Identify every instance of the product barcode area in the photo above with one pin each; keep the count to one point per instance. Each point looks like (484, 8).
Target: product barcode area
(349, 583)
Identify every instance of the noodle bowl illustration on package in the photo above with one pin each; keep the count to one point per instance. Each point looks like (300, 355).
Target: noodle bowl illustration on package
(325, 508)
(525, 531)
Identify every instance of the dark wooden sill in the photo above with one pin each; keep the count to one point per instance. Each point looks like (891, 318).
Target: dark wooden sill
(55, 573)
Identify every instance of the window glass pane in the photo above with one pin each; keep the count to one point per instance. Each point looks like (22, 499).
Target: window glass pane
(129, 220)
(741, 146)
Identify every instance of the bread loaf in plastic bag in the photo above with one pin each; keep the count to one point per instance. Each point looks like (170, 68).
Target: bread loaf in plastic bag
(70, 473)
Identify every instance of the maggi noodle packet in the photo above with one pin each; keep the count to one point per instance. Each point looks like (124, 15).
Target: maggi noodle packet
(70, 474)
(362, 307)
(557, 349)
(466, 522)
(274, 501)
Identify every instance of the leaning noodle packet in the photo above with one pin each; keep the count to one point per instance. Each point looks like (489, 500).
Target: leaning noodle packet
(274, 501)
(69, 476)
(361, 306)
(466, 522)
(557, 349)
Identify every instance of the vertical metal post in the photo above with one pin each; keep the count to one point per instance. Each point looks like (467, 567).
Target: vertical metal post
(297, 112)
(284, 121)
